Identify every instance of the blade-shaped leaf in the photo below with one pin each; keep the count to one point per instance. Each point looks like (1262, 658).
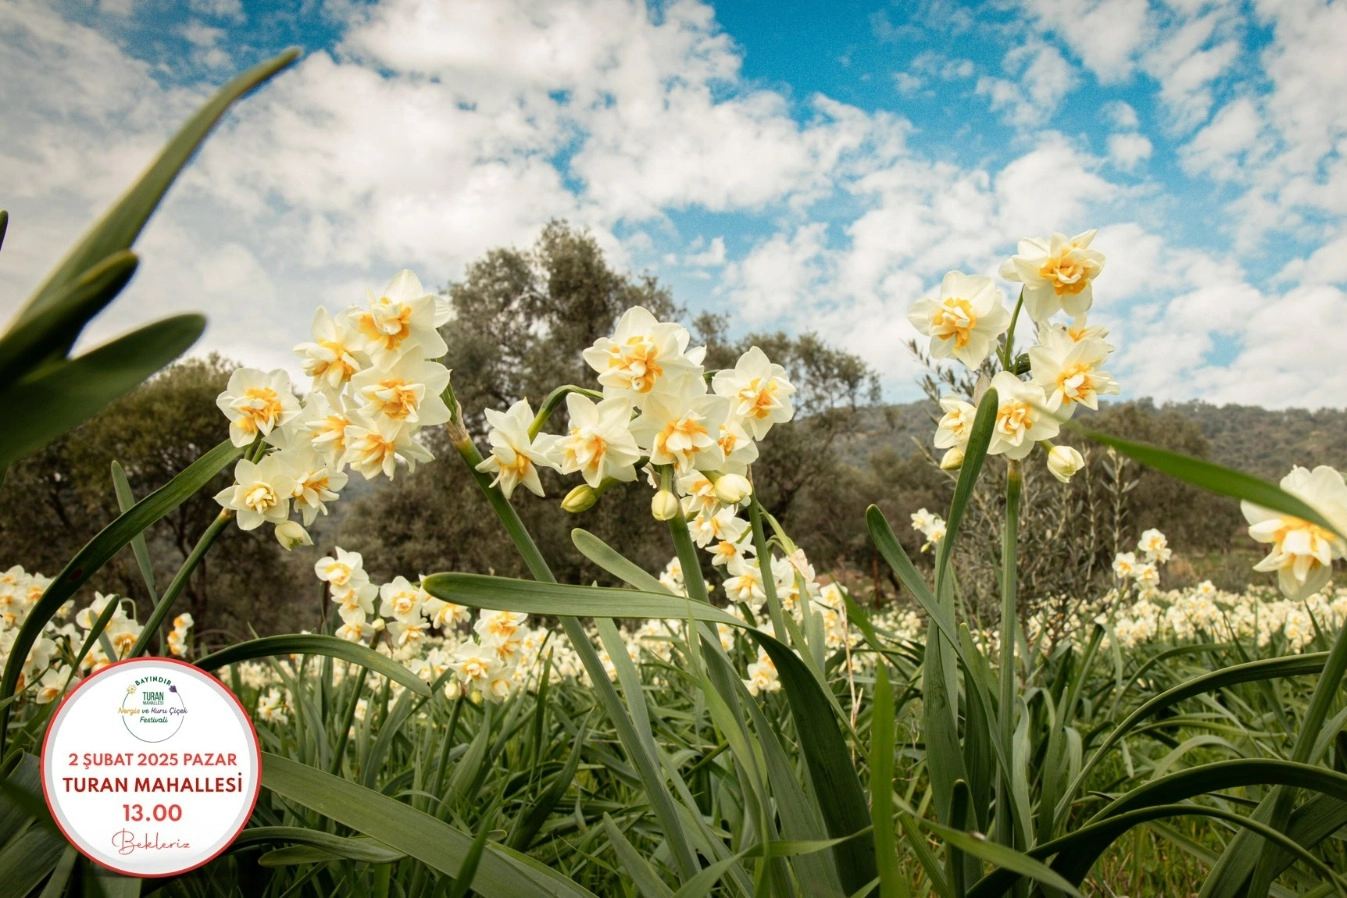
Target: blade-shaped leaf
(563, 600)
(315, 644)
(120, 226)
(65, 394)
(502, 872)
(53, 330)
(838, 789)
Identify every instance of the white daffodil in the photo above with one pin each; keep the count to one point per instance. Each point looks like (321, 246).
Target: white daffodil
(745, 582)
(442, 614)
(1154, 545)
(682, 430)
(725, 551)
(320, 425)
(333, 357)
(343, 571)
(699, 494)
(514, 454)
(1069, 371)
(643, 356)
(739, 448)
(256, 402)
(402, 317)
(377, 446)
(717, 526)
(261, 492)
(407, 391)
(1020, 420)
(599, 444)
(956, 424)
(402, 600)
(759, 393)
(1124, 565)
(1064, 462)
(1058, 274)
(964, 322)
(291, 535)
(1302, 553)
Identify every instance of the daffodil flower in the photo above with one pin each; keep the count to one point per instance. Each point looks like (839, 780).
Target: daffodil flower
(402, 317)
(256, 402)
(1058, 274)
(759, 393)
(682, 430)
(1070, 371)
(407, 391)
(599, 445)
(964, 322)
(1020, 419)
(1302, 553)
(261, 492)
(643, 357)
(375, 447)
(333, 357)
(514, 454)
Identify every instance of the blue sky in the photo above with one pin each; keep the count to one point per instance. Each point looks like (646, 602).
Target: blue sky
(805, 166)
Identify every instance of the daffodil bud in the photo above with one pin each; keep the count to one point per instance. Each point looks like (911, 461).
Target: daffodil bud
(733, 488)
(582, 498)
(952, 460)
(664, 506)
(1063, 461)
(291, 534)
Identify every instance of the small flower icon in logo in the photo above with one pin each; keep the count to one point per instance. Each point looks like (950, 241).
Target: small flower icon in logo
(130, 689)
(173, 689)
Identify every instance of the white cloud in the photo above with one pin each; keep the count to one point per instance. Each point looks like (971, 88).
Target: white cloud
(1121, 115)
(1126, 150)
(1104, 34)
(711, 257)
(1219, 148)
(1049, 189)
(1187, 61)
(1326, 265)
(1044, 78)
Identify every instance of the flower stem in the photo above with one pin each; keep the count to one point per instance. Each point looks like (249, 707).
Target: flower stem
(553, 402)
(1005, 828)
(1008, 349)
(179, 583)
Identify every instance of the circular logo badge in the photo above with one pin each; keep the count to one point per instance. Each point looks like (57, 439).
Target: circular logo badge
(151, 767)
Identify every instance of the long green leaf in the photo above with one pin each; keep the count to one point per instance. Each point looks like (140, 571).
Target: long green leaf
(125, 500)
(63, 395)
(615, 563)
(120, 226)
(1267, 668)
(502, 872)
(979, 846)
(891, 881)
(1213, 477)
(563, 600)
(53, 330)
(315, 644)
(838, 789)
(355, 849)
(100, 550)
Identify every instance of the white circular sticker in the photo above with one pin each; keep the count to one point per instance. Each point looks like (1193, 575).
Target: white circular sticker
(151, 767)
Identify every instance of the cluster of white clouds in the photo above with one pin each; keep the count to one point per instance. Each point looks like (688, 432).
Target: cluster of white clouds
(433, 132)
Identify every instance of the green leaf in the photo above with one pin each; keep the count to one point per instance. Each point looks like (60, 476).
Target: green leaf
(504, 594)
(125, 500)
(1265, 669)
(892, 883)
(53, 330)
(643, 875)
(100, 550)
(120, 226)
(60, 876)
(431, 841)
(315, 644)
(4, 225)
(979, 846)
(615, 563)
(63, 395)
(355, 849)
(1214, 478)
(838, 789)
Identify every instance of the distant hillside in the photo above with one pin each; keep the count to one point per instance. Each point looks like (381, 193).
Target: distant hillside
(1260, 441)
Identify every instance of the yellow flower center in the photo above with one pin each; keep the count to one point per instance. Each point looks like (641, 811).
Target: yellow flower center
(403, 603)
(338, 362)
(760, 399)
(681, 439)
(636, 362)
(385, 327)
(260, 407)
(260, 497)
(1069, 272)
(954, 319)
(1013, 418)
(395, 398)
(1075, 382)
